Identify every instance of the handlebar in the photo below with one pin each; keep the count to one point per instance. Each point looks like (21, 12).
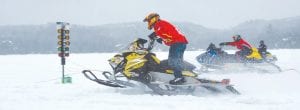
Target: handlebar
(150, 44)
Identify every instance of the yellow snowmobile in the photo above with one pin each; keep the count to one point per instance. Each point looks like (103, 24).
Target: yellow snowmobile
(139, 64)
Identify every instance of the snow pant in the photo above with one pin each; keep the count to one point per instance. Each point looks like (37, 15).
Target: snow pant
(175, 60)
(262, 53)
(243, 53)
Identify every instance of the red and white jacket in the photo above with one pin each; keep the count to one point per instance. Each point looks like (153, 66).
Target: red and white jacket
(168, 33)
(240, 43)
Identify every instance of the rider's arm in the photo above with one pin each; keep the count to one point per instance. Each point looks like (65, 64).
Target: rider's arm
(224, 43)
(152, 36)
(232, 43)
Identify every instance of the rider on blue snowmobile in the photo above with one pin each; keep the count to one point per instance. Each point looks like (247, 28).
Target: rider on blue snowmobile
(211, 49)
(212, 53)
(211, 56)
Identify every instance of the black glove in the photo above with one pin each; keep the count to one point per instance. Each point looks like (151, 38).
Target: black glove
(159, 40)
(223, 43)
(152, 36)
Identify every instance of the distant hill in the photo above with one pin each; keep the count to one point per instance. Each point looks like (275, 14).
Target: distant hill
(281, 33)
(24, 39)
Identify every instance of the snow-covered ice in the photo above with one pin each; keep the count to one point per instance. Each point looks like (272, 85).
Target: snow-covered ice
(32, 82)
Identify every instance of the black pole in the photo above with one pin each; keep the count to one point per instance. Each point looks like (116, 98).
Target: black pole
(63, 74)
(63, 60)
(63, 69)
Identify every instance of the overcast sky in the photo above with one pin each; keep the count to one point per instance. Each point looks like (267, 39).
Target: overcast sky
(209, 13)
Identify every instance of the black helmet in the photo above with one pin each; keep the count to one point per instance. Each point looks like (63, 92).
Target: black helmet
(261, 42)
(237, 37)
(212, 45)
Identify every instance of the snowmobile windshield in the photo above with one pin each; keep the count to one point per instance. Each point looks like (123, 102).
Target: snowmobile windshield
(116, 60)
(137, 45)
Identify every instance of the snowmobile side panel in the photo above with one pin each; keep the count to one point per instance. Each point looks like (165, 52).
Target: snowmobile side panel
(160, 84)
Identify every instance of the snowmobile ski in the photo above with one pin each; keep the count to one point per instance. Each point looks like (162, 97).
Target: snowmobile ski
(91, 76)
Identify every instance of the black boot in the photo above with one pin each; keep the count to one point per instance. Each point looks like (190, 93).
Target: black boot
(178, 81)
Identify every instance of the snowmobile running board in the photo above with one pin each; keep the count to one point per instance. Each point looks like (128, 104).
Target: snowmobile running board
(91, 76)
(207, 84)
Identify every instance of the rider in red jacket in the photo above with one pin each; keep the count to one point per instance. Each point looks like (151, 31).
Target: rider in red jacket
(170, 35)
(243, 46)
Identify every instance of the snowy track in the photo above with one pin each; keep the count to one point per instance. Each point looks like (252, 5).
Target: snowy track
(32, 82)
